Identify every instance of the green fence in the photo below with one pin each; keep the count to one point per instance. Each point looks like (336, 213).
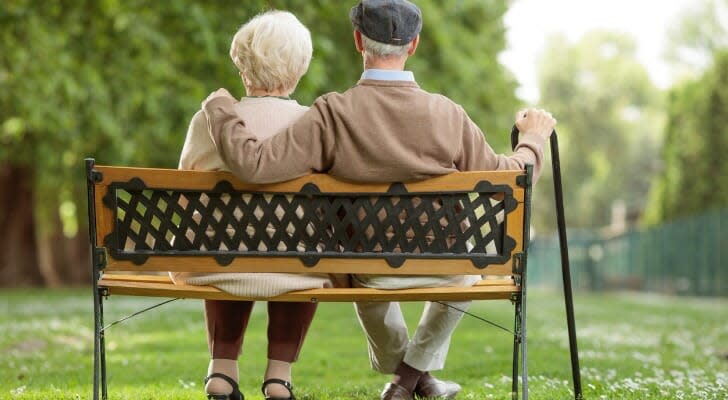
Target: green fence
(684, 256)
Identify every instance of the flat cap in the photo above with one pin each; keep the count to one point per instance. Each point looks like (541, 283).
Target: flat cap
(395, 22)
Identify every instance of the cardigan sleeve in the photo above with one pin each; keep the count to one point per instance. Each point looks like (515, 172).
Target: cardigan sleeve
(477, 155)
(197, 143)
(299, 149)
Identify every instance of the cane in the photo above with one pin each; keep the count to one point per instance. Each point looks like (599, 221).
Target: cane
(565, 271)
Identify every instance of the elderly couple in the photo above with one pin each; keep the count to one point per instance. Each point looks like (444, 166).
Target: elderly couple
(383, 129)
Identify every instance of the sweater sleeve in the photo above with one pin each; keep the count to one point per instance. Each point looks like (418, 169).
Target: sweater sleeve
(303, 147)
(477, 155)
(197, 138)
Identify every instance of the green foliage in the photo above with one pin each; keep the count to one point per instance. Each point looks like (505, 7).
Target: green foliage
(609, 127)
(694, 174)
(700, 31)
(696, 140)
(119, 80)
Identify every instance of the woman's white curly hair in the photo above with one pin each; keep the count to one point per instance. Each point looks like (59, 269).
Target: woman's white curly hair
(272, 51)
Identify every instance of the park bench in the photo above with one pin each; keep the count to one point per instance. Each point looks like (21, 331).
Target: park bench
(145, 222)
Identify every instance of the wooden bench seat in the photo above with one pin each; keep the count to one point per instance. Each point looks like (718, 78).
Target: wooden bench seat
(162, 286)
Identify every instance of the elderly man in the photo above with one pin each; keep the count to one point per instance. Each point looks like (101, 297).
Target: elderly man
(383, 129)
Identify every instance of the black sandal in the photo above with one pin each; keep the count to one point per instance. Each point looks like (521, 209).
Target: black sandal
(235, 395)
(286, 384)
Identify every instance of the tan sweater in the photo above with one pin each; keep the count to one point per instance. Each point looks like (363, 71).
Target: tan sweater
(377, 131)
(267, 116)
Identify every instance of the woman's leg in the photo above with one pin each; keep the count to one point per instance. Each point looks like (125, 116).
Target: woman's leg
(226, 323)
(288, 324)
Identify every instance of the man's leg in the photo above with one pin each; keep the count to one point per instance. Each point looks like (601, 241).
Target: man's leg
(226, 322)
(427, 351)
(386, 332)
(288, 324)
(428, 348)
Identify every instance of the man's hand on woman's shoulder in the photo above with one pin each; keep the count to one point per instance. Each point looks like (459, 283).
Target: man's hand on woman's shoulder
(535, 121)
(219, 93)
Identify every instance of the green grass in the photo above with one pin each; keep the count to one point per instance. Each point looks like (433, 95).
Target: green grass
(631, 347)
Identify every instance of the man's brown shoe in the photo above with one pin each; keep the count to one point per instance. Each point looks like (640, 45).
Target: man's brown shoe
(393, 391)
(432, 388)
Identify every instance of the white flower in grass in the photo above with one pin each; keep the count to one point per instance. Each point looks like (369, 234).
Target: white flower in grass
(18, 391)
(187, 384)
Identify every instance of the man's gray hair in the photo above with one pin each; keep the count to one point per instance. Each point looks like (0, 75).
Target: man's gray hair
(379, 49)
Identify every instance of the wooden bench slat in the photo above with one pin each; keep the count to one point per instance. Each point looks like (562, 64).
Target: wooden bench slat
(162, 286)
(138, 278)
(166, 279)
(325, 265)
(201, 180)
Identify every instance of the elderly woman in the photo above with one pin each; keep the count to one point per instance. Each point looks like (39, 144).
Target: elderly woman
(272, 51)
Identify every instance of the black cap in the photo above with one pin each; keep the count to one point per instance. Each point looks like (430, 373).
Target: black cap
(395, 22)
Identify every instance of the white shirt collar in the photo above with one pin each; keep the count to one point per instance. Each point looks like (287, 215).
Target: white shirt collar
(388, 75)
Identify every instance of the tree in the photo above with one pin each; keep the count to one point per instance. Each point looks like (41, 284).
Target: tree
(609, 127)
(693, 179)
(696, 133)
(701, 31)
(119, 80)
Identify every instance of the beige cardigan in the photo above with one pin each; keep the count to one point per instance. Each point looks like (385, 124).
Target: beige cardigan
(377, 131)
(267, 115)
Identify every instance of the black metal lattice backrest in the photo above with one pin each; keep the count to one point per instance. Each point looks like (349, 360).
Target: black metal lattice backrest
(226, 223)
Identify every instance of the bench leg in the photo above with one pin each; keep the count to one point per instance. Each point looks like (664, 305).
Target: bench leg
(524, 345)
(519, 348)
(97, 342)
(99, 378)
(102, 354)
(516, 346)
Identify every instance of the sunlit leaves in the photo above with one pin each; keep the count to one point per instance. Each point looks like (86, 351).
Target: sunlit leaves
(119, 80)
(609, 127)
(693, 177)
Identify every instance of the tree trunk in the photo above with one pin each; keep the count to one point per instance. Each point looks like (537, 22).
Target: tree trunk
(18, 260)
(71, 256)
(30, 256)
(46, 260)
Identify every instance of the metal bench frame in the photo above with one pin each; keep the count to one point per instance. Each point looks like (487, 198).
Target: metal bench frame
(139, 219)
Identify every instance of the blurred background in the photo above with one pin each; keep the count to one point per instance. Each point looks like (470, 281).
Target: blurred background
(640, 89)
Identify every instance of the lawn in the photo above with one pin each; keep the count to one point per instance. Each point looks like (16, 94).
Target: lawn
(631, 346)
